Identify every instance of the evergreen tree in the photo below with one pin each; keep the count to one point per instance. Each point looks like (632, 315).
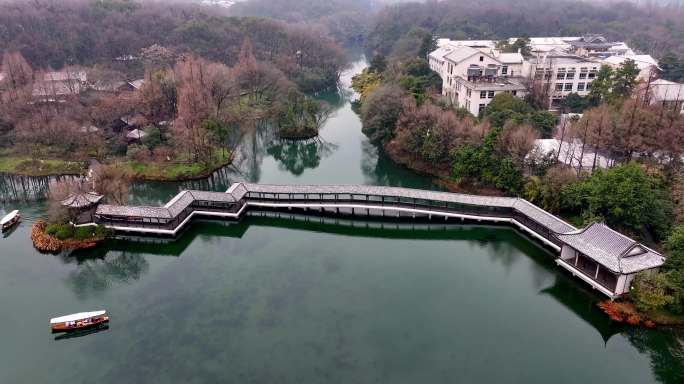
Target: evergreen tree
(624, 79)
(602, 86)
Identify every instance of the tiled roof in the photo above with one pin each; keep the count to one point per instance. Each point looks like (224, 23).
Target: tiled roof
(492, 201)
(609, 248)
(81, 200)
(128, 211)
(542, 217)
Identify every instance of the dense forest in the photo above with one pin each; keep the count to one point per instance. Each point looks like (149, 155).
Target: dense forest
(84, 32)
(163, 89)
(345, 20)
(655, 30)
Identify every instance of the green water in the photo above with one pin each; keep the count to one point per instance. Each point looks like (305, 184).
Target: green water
(274, 300)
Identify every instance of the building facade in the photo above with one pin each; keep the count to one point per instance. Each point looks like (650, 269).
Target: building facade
(474, 70)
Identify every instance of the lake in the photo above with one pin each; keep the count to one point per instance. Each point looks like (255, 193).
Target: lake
(296, 300)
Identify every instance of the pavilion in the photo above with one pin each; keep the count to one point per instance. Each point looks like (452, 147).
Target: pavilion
(82, 206)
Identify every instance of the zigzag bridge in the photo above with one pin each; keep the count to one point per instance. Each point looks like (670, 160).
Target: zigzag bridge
(603, 258)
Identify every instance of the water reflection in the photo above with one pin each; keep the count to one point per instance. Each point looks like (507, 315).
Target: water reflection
(98, 269)
(14, 188)
(379, 169)
(666, 351)
(82, 333)
(298, 156)
(583, 304)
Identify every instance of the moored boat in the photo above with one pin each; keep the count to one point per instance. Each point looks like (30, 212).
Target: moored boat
(10, 220)
(79, 321)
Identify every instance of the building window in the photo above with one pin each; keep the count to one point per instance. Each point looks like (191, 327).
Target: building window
(560, 76)
(515, 93)
(481, 58)
(588, 86)
(490, 94)
(580, 87)
(570, 76)
(480, 108)
(582, 76)
(568, 87)
(468, 93)
(592, 75)
(504, 70)
(483, 94)
(559, 86)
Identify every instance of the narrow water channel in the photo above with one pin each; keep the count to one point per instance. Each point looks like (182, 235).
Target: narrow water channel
(299, 301)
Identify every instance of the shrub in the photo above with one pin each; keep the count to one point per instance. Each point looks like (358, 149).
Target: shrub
(83, 233)
(138, 153)
(651, 291)
(101, 231)
(65, 231)
(626, 196)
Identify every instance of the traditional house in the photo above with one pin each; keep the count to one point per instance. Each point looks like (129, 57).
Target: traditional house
(55, 86)
(606, 259)
(136, 135)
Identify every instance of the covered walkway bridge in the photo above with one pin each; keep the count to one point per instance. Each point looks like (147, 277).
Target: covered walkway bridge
(598, 255)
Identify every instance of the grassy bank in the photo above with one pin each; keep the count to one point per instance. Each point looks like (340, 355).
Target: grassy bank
(175, 171)
(23, 165)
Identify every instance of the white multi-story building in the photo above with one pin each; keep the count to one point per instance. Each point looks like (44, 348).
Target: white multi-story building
(473, 75)
(563, 74)
(474, 71)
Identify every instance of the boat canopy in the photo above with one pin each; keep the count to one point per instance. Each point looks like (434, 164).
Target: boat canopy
(9, 217)
(76, 317)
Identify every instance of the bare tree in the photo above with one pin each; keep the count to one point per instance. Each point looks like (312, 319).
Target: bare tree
(113, 183)
(59, 191)
(518, 140)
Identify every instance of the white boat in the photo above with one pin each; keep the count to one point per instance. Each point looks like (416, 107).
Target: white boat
(10, 220)
(77, 321)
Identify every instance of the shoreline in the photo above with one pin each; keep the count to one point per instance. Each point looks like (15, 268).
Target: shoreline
(624, 312)
(49, 244)
(134, 177)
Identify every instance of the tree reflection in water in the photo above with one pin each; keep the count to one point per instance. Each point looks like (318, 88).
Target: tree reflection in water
(666, 350)
(300, 155)
(95, 274)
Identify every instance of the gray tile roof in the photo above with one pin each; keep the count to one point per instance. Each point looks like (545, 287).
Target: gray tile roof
(182, 201)
(81, 200)
(128, 211)
(609, 248)
(493, 201)
(539, 215)
(213, 196)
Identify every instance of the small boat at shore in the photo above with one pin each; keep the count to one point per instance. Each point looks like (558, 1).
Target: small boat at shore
(79, 321)
(10, 220)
